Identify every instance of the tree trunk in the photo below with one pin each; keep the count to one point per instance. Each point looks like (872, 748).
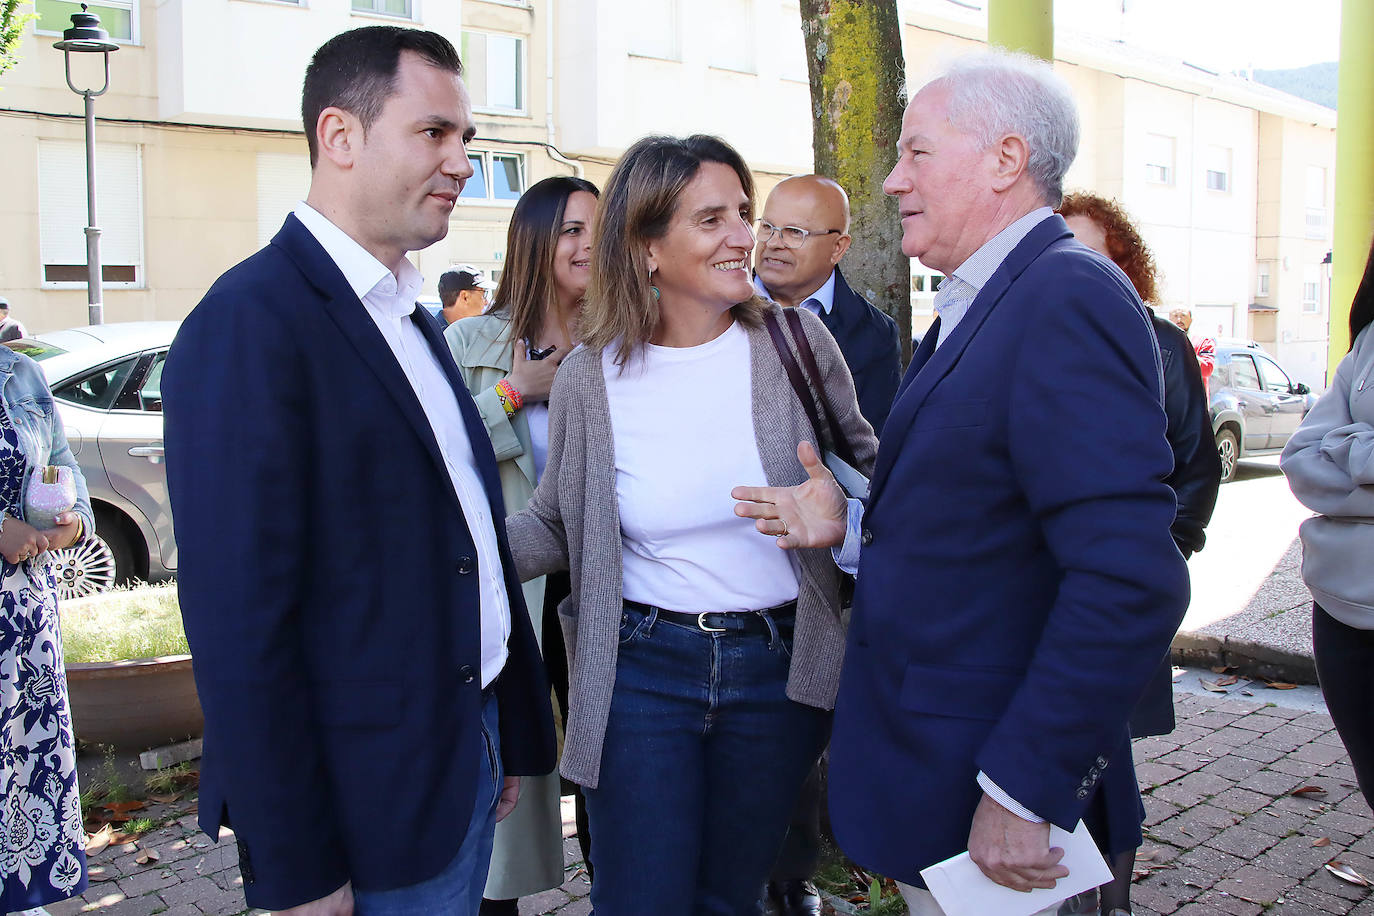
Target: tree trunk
(854, 60)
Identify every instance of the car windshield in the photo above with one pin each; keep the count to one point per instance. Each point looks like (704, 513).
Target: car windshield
(34, 349)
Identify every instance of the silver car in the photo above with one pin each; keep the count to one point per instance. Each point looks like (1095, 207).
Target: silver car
(106, 381)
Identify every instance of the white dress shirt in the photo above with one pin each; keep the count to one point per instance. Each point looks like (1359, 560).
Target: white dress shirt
(390, 302)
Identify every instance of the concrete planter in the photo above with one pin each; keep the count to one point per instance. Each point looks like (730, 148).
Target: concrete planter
(135, 704)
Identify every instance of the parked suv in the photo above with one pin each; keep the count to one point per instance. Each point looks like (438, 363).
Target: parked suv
(1255, 406)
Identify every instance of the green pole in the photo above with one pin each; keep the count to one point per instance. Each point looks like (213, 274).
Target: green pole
(1028, 25)
(1354, 216)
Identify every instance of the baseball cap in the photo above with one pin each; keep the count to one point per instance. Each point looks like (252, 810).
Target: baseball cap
(462, 277)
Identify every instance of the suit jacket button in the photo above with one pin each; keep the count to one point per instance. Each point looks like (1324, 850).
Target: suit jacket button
(467, 674)
(1082, 794)
(1102, 763)
(866, 537)
(464, 565)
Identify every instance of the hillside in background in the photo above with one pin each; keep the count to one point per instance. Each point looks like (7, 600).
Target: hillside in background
(1316, 82)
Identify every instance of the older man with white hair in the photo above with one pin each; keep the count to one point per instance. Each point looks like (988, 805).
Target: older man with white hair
(1017, 583)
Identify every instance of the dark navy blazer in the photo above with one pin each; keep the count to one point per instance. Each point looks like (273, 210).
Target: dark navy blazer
(869, 344)
(329, 587)
(1018, 583)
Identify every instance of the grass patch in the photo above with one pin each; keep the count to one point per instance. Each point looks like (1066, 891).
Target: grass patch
(122, 624)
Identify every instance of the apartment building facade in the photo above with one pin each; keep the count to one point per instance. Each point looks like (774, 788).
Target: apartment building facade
(201, 153)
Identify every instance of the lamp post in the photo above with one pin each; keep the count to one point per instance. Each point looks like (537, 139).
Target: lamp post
(87, 37)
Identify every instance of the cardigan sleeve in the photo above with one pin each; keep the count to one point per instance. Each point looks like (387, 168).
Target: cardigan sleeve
(538, 540)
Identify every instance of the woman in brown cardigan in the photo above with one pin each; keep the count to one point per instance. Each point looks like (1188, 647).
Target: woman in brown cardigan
(704, 659)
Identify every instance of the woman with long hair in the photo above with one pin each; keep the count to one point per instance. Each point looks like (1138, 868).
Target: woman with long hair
(1329, 463)
(508, 358)
(1102, 225)
(704, 659)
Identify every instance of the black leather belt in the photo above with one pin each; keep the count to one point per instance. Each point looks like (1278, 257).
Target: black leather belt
(723, 621)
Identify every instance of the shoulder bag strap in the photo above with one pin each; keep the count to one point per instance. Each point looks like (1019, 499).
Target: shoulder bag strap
(840, 442)
(794, 374)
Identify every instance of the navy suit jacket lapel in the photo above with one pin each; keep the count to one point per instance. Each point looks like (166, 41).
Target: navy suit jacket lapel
(347, 312)
(930, 365)
(472, 420)
(840, 317)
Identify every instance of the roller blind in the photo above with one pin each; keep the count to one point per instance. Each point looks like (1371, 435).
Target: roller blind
(62, 204)
(283, 180)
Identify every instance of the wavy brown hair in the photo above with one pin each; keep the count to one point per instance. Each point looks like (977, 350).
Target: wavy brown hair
(527, 291)
(640, 199)
(1124, 244)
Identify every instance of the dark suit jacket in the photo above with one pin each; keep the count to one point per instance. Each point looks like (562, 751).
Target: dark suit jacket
(869, 343)
(329, 587)
(1194, 480)
(1018, 583)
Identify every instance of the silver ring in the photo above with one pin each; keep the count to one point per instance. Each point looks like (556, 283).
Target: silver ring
(784, 527)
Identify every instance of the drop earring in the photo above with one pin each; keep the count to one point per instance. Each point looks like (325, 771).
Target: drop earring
(653, 289)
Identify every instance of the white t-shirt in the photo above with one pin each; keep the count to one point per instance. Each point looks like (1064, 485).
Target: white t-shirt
(683, 423)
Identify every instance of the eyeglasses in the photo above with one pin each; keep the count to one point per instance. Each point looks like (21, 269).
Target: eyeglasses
(792, 236)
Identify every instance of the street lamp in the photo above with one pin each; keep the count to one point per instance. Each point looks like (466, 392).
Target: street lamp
(87, 37)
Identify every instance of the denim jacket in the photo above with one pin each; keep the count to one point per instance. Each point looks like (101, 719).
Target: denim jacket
(29, 406)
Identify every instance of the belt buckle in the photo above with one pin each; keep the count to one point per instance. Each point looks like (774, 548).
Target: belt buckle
(701, 625)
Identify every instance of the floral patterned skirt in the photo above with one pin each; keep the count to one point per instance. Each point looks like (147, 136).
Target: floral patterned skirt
(42, 840)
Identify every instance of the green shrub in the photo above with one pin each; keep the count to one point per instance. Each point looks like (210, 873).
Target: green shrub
(143, 622)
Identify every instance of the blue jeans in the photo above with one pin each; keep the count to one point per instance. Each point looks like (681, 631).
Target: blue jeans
(456, 890)
(703, 759)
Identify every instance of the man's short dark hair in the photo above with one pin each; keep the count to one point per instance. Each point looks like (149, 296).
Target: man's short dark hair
(356, 71)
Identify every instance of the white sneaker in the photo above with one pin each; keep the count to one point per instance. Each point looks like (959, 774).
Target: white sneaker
(36, 911)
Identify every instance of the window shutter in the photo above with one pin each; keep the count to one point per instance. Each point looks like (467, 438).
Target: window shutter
(283, 181)
(62, 203)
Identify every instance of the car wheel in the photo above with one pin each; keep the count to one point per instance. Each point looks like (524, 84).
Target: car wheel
(96, 565)
(1228, 450)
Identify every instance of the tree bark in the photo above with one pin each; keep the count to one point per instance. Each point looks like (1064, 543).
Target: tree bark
(854, 60)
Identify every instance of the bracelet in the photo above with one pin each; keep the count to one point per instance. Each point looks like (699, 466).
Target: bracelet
(511, 401)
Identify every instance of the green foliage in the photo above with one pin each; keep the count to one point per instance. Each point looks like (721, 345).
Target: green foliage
(12, 23)
(168, 780)
(142, 622)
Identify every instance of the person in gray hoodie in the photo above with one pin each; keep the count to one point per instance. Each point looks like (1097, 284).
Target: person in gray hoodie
(1329, 463)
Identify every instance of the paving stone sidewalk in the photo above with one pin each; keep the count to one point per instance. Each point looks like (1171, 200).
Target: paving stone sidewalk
(1225, 834)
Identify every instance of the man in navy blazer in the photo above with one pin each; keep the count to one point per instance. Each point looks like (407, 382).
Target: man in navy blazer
(803, 234)
(370, 681)
(1015, 544)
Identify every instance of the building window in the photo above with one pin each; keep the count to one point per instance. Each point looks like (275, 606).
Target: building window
(1316, 202)
(399, 8)
(497, 177)
(1262, 281)
(283, 182)
(656, 32)
(62, 213)
(116, 17)
(732, 48)
(494, 67)
(1218, 168)
(1311, 289)
(1159, 159)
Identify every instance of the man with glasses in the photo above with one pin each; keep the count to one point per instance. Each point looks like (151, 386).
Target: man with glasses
(464, 292)
(803, 234)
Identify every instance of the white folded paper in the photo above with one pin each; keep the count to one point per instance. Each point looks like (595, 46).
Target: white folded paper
(961, 888)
